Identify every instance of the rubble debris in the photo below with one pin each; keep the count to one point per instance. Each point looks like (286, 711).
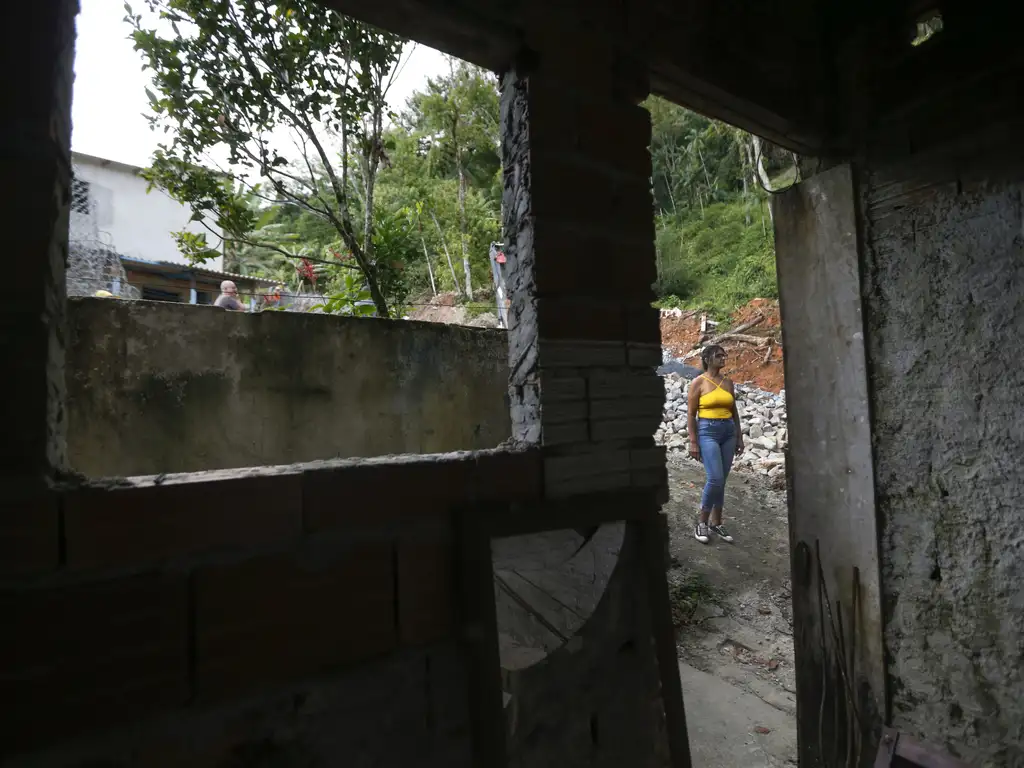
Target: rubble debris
(759, 364)
(762, 415)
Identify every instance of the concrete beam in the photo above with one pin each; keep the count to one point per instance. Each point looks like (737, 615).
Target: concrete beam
(837, 612)
(770, 85)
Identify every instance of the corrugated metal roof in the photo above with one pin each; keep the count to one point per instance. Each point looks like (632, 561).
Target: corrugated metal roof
(197, 270)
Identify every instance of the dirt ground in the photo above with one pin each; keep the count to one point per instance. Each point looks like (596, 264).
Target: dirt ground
(747, 361)
(732, 609)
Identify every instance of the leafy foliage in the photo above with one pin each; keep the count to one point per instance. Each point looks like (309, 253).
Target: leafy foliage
(717, 262)
(350, 298)
(715, 241)
(417, 216)
(362, 205)
(232, 75)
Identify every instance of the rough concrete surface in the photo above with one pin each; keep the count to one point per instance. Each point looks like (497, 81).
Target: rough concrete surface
(732, 608)
(155, 388)
(729, 727)
(945, 316)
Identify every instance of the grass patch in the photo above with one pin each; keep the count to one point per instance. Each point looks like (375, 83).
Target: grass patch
(718, 261)
(476, 308)
(686, 596)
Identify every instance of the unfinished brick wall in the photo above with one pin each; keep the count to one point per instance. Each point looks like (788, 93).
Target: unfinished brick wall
(310, 614)
(584, 339)
(304, 611)
(583, 344)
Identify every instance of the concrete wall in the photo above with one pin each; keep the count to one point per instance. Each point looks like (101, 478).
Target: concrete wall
(156, 387)
(945, 316)
(133, 221)
(833, 533)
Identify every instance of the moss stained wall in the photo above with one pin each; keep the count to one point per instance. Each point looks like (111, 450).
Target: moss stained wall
(158, 388)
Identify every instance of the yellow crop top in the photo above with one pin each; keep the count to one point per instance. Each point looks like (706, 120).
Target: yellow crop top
(716, 404)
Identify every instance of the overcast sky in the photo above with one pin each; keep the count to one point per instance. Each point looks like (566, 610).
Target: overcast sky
(110, 99)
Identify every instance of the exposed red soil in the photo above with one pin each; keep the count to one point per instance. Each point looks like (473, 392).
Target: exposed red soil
(746, 361)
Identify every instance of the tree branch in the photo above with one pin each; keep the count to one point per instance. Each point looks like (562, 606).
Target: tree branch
(271, 247)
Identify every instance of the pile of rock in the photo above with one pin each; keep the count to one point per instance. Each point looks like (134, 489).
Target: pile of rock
(762, 414)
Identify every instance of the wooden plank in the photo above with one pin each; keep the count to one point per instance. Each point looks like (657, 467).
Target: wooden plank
(484, 524)
(841, 677)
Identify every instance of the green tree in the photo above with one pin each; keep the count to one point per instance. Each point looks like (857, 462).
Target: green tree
(241, 76)
(709, 182)
(455, 122)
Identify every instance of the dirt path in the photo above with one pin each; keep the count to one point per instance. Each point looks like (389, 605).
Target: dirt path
(731, 603)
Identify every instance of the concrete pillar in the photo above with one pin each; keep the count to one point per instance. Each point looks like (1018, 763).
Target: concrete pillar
(36, 136)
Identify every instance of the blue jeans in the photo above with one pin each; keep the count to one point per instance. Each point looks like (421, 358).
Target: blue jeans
(717, 440)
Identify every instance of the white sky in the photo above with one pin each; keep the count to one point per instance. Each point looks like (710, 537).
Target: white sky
(110, 98)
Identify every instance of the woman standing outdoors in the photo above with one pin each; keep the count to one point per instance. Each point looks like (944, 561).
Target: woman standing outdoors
(715, 437)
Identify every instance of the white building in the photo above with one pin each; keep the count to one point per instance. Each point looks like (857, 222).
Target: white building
(120, 241)
(110, 204)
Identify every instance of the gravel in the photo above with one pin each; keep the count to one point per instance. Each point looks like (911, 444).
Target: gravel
(762, 415)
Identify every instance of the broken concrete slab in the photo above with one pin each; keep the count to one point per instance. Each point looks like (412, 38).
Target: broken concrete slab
(729, 727)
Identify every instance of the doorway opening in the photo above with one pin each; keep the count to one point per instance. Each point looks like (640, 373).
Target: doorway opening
(717, 285)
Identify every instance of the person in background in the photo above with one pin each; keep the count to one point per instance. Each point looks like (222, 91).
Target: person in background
(228, 298)
(715, 437)
(272, 300)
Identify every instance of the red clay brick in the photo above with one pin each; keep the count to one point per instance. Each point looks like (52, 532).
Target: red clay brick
(617, 205)
(379, 494)
(574, 263)
(593, 320)
(587, 128)
(273, 620)
(426, 590)
(513, 476)
(133, 526)
(88, 656)
(643, 323)
(29, 533)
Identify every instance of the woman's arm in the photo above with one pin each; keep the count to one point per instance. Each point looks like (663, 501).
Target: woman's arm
(736, 418)
(692, 402)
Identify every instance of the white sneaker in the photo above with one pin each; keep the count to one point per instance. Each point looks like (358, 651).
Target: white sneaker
(700, 533)
(719, 530)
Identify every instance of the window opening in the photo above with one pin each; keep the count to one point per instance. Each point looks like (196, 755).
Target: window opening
(423, 252)
(80, 196)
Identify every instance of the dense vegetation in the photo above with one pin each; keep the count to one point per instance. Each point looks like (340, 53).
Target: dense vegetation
(715, 242)
(367, 207)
